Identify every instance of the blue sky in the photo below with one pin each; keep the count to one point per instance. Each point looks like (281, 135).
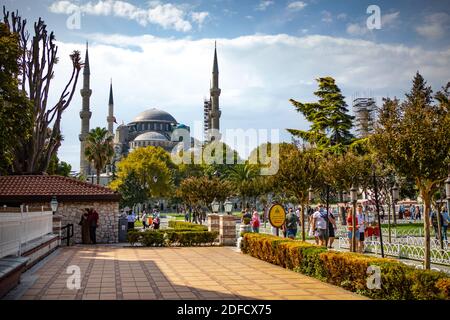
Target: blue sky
(159, 54)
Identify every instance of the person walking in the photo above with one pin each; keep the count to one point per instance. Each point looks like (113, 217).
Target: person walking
(446, 218)
(350, 229)
(255, 222)
(320, 224)
(93, 224)
(361, 221)
(331, 228)
(434, 222)
(291, 224)
(84, 223)
(144, 220)
(130, 219)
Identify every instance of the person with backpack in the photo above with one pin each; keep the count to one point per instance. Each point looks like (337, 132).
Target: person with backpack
(320, 224)
(331, 229)
(434, 222)
(291, 224)
(255, 222)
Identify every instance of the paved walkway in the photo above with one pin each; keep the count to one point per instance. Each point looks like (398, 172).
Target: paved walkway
(111, 272)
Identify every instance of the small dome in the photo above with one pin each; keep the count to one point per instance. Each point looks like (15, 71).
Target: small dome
(182, 126)
(154, 115)
(151, 136)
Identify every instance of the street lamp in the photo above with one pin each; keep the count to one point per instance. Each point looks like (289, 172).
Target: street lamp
(354, 199)
(54, 204)
(155, 179)
(447, 193)
(228, 206)
(215, 206)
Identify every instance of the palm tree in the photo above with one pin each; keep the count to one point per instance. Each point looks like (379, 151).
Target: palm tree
(99, 149)
(242, 176)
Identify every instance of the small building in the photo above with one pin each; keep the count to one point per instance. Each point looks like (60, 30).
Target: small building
(72, 196)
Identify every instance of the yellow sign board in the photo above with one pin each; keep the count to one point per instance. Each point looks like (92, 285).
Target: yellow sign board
(277, 215)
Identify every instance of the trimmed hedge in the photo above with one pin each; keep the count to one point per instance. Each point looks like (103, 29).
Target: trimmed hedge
(187, 225)
(349, 270)
(171, 237)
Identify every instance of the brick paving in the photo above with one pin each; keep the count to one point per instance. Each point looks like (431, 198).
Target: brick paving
(200, 273)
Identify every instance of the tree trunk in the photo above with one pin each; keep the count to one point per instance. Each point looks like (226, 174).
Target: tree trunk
(98, 176)
(426, 216)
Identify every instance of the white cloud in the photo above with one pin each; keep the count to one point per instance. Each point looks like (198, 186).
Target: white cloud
(199, 17)
(389, 19)
(296, 5)
(356, 29)
(258, 74)
(263, 5)
(341, 16)
(435, 27)
(327, 16)
(168, 16)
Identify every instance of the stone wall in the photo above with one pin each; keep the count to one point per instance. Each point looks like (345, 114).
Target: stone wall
(108, 222)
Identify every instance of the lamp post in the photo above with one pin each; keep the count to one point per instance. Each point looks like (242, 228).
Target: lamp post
(344, 211)
(215, 206)
(310, 200)
(54, 204)
(377, 204)
(395, 197)
(228, 207)
(447, 193)
(354, 199)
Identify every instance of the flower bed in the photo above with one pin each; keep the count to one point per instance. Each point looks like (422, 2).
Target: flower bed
(348, 270)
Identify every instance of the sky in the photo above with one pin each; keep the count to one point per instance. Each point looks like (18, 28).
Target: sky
(160, 54)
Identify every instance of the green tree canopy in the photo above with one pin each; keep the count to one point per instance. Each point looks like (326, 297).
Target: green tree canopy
(99, 149)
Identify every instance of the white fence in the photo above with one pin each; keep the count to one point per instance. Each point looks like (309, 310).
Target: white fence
(401, 250)
(19, 228)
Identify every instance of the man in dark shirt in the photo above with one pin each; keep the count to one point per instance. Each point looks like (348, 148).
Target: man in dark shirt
(93, 224)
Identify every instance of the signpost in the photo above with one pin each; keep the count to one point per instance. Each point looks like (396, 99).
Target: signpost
(277, 216)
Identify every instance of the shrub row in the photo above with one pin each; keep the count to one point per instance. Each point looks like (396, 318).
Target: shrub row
(171, 237)
(349, 270)
(186, 225)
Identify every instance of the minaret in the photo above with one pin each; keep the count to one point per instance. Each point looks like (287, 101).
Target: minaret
(85, 114)
(110, 117)
(215, 93)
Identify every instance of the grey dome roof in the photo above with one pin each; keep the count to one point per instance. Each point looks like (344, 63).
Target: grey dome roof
(150, 136)
(154, 115)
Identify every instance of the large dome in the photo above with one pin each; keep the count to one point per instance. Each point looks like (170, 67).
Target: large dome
(151, 136)
(154, 115)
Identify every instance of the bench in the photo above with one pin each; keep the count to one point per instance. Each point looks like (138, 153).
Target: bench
(11, 268)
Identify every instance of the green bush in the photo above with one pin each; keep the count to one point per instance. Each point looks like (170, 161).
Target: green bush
(349, 270)
(152, 238)
(133, 236)
(186, 225)
(169, 237)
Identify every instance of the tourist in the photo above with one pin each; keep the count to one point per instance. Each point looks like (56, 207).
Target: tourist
(417, 211)
(84, 223)
(130, 219)
(246, 216)
(331, 229)
(255, 222)
(156, 222)
(361, 221)
(312, 232)
(434, 222)
(291, 224)
(93, 224)
(446, 218)
(350, 228)
(150, 221)
(144, 220)
(320, 224)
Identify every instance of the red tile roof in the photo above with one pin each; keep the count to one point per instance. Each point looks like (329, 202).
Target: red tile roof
(37, 188)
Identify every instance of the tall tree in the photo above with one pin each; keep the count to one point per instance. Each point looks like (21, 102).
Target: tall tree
(416, 142)
(149, 169)
(57, 167)
(37, 60)
(242, 176)
(331, 123)
(298, 171)
(99, 149)
(15, 108)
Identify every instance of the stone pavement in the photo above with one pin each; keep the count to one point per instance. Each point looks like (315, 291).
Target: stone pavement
(112, 272)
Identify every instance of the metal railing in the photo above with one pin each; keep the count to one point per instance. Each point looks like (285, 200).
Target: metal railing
(69, 233)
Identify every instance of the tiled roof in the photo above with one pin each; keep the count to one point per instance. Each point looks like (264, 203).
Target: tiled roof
(23, 188)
